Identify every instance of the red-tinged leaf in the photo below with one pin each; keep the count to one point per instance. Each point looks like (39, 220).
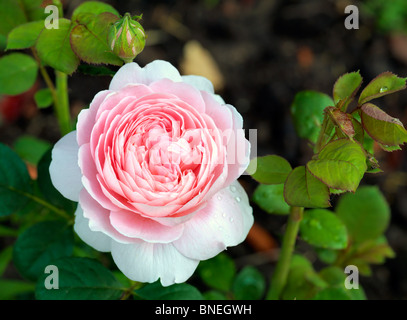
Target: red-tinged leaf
(384, 84)
(384, 129)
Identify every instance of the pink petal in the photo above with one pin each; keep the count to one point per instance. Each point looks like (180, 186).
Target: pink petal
(133, 225)
(224, 222)
(86, 118)
(183, 91)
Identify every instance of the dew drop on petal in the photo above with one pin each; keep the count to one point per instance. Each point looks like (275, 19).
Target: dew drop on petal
(219, 198)
(233, 188)
(238, 199)
(231, 219)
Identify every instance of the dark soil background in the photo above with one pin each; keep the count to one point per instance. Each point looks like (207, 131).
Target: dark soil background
(265, 51)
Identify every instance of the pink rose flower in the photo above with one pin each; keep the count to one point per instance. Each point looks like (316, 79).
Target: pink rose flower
(153, 166)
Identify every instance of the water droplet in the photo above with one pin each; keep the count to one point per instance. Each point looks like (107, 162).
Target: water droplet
(219, 198)
(224, 215)
(238, 199)
(383, 89)
(315, 224)
(231, 219)
(233, 188)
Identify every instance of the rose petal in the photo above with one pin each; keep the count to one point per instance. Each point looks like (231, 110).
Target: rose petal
(203, 84)
(133, 225)
(147, 262)
(221, 114)
(224, 222)
(199, 82)
(86, 118)
(95, 239)
(99, 218)
(184, 91)
(64, 170)
(132, 73)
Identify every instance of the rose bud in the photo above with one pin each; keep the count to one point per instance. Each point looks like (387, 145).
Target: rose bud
(127, 38)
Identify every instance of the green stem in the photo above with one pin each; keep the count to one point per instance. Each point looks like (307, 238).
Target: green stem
(280, 274)
(129, 291)
(62, 104)
(42, 202)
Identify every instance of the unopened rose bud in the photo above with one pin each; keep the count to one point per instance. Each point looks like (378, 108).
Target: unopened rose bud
(127, 38)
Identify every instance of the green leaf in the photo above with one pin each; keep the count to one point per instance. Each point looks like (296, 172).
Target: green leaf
(302, 280)
(93, 7)
(322, 228)
(341, 165)
(47, 188)
(345, 89)
(270, 198)
(24, 36)
(80, 279)
(31, 149)
(54, 48)
(18, 73)
(383, 84)
(389, 148)
(374, 251)
(335, 277)
(11, 288)
(40, 245)
(332, 294)
(34, 10)
(5, 257)
(14, 182)
(3, 42)
(89, 39)
(43, 98)
(218, 272)
(381, 127)
(326, 255)
(214, 295)
(182, 291)
(11, 15)
(307, 111)
(249, 284)
(302, 189)
(270, 169)
(6, 231)
(365, 213)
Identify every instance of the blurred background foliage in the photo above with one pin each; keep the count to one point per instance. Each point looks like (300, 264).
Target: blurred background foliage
(258, 54)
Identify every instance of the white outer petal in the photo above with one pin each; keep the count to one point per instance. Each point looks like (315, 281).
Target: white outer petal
(148, 262)
(96, 239)
(224, 222)
(132, 73)
(199, 82)
(64, 169)
(203, 84)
